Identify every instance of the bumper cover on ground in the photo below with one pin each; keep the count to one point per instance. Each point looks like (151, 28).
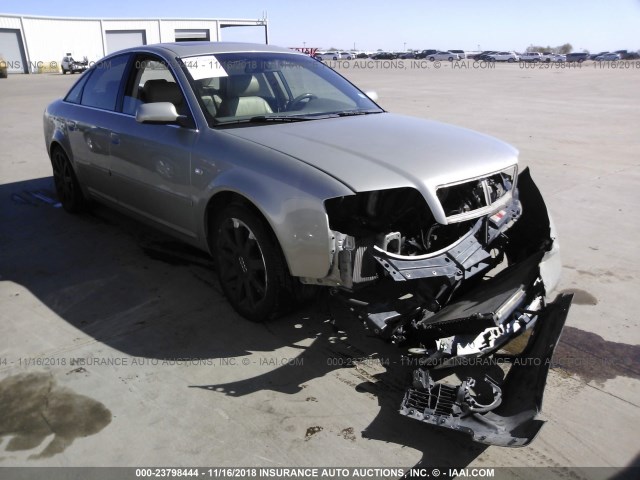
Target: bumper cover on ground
(509, 418)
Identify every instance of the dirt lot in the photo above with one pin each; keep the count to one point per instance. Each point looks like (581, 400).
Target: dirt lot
(94, 308)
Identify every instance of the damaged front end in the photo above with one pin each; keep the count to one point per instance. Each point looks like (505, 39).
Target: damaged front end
(457, 284)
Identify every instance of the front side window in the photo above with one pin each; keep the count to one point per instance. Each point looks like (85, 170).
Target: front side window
(151, 81)
(101, 89)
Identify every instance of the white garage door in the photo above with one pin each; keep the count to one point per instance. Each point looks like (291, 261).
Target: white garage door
(11, 50)
(190, 35)
(119, 39)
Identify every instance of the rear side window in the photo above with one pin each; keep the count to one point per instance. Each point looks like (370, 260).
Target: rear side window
(75, 94)
(101, 89)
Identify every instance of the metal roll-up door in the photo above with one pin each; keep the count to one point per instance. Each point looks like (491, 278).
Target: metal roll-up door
(192, 35)
(12, 51)
(120, 39)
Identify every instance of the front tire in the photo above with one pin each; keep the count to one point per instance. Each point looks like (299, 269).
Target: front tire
(251, 267)
(66, 183)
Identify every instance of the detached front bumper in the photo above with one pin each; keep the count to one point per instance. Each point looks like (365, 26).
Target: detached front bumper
(496, 414)
(476, 315)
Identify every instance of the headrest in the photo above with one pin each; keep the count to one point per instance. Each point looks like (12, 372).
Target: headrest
(162, 91)
(243, 86)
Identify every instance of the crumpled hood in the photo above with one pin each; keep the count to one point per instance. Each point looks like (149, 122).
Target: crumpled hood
(385, 150)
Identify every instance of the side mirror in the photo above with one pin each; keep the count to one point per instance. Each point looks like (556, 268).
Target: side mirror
(158, 112)
(372, 95)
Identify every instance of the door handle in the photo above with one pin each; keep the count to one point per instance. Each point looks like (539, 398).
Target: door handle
(115, 138)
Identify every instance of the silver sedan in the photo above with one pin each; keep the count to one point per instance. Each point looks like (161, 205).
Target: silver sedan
(449, 56)
(293, 179)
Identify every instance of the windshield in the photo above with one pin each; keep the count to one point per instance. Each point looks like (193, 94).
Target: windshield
(257, 87)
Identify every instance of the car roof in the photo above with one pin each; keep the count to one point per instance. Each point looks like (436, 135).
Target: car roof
(188, 49)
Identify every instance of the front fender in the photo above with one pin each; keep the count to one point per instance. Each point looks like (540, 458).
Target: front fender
(290, 195)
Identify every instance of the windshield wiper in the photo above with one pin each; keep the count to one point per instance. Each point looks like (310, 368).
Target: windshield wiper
(262, 119)
(291, 118)
(350, 113)
(279, 118)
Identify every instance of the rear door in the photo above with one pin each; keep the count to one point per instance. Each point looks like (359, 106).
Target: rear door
(91, 119)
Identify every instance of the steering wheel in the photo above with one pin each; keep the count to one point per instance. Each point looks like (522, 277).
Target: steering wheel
(296, 103)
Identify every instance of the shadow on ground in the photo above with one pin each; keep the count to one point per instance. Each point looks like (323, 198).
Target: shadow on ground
(141, 293)
(146, 295)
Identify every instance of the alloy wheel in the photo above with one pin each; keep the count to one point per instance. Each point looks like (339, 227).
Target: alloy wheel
(63, 178)
(242, 265)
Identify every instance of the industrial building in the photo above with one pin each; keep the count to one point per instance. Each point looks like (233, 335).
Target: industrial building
(32, 44)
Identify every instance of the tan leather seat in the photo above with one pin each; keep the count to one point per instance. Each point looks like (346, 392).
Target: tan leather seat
(163, 91)
(211, 103)
(242, 98)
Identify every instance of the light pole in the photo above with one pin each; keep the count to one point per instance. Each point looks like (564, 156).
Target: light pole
(405, 47)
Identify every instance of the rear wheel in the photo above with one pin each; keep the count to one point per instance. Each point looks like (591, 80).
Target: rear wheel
(66, 183)
(251, 267)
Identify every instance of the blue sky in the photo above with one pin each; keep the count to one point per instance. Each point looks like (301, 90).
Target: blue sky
(595, 25)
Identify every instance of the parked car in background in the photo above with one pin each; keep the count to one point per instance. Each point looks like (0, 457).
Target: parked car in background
(347, 55)
(510, 57)
(593, 56)
(627, 55)
(69, 65)
(3, 68)
(328, 56)
(550, 57)
(608, 57)
(577, 57)
(460, 53)
(384, 56)
(482, 55)
(406, 55)
(362, 55)
(533, 57)
(441, 55)
(426, 53)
